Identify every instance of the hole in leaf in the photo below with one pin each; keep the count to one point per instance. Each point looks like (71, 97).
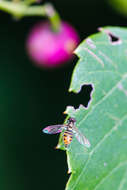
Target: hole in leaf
(113, 38)
(83, 97)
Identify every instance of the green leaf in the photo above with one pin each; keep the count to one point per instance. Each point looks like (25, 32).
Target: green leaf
(103, 64)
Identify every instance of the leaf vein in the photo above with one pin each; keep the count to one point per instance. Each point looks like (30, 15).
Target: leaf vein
(95, 56)
(110, 173)
(101, 100)
(123, 180)
(99, 143)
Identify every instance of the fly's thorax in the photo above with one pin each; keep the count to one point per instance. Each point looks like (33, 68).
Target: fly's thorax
(71, 122)
(70, 126)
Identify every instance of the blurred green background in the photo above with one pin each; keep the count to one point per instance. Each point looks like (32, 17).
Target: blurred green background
(32, 98)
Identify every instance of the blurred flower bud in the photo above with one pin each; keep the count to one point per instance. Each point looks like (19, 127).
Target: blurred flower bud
(51, 49)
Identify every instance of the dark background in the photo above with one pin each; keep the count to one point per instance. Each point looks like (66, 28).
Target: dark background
(32, 98)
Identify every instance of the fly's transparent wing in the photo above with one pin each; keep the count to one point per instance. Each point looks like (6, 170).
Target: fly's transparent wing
(54, 129)
(80, 137)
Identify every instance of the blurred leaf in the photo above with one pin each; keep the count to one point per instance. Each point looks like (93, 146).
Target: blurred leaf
(119, 5)
(103, 64)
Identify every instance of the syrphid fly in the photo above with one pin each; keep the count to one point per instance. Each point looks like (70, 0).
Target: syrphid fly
(69, 130)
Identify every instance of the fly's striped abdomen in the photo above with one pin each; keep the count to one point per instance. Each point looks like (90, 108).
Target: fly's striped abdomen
(68, 134)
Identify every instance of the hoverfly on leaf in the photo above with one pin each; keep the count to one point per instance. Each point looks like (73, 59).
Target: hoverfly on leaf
(70, 130)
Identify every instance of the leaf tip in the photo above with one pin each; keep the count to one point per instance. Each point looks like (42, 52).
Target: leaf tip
(70, 90)
(70, 110)
(69, 165)
(57, 147)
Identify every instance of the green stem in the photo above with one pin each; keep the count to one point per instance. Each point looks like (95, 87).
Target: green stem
(53, 17)
(21, 9)
(29, 2)
(16, 9)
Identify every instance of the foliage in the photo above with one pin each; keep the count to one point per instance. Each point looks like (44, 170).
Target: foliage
(103, 64)
(119, 5)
